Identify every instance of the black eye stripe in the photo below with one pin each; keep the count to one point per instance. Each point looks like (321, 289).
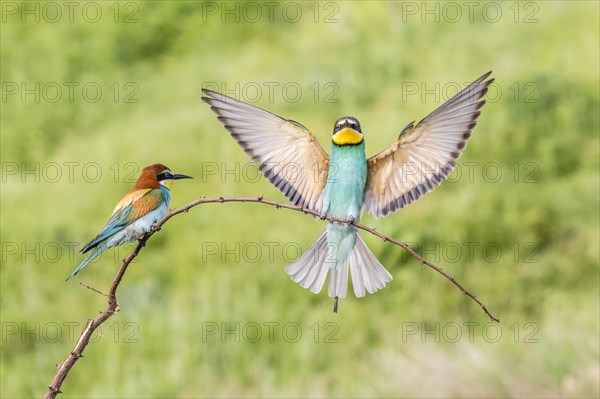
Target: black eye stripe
(164, 176)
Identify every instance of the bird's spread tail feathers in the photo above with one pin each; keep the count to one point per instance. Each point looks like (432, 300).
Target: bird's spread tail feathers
(310, 270)
(365, 270)
(367, 274)
(93, 255)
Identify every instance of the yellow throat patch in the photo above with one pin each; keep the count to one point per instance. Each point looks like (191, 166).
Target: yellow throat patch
(347, 136)
(168, 184)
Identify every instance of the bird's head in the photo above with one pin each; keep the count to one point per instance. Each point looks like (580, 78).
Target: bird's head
(157, 175)
(347, 131)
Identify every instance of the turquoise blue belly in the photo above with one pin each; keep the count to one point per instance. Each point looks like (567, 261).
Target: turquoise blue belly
(343, 198)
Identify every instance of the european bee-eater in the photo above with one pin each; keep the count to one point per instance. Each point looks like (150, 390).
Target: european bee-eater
(145, 204)
(347, 183)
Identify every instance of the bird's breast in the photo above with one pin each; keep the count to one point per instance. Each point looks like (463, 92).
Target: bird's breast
(346, 181)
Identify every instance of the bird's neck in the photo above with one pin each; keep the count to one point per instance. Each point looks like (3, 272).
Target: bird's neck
(355, 151)
(146, 181)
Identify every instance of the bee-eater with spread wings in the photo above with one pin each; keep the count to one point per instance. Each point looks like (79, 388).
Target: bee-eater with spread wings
(145, 204)
(347, 183)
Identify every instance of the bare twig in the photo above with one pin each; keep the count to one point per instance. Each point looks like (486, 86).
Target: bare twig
(113, 307)
(373, 231)
(89, 287)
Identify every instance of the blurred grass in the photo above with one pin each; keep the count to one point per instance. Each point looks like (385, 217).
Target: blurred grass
(544, 220)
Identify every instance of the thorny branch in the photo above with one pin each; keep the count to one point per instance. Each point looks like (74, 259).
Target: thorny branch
(112, 306)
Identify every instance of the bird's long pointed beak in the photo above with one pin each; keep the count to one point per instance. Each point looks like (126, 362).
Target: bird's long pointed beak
(177, 177)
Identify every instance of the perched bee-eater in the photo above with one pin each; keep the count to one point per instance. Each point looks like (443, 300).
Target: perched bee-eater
(347, 183)
(145, 204)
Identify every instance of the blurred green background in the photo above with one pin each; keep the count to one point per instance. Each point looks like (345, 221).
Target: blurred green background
(92, 92)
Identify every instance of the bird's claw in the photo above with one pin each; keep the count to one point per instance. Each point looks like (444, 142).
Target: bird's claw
(156, 227)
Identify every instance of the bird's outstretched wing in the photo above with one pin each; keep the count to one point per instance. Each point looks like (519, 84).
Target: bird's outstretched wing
(133, 206)
(424, 153)
(288, 153)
